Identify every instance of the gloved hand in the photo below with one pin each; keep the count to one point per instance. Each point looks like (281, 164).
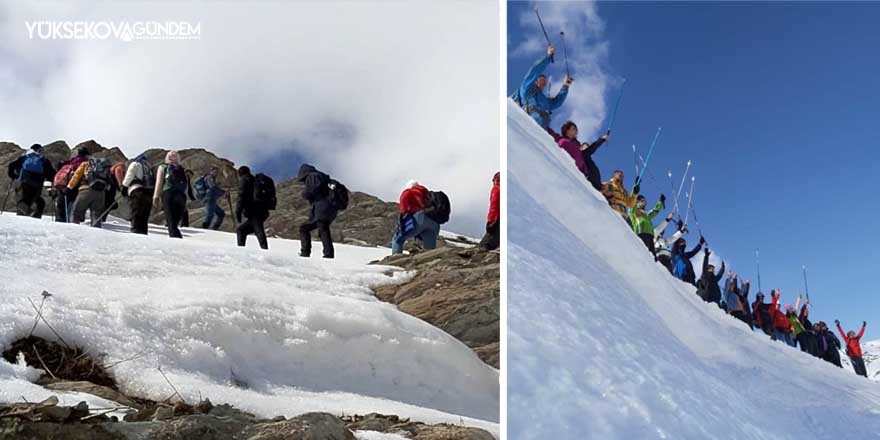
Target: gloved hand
(702, 240)
(637, 186)
(864, 324)
(680, 224)
(836, 322)
(663, 198)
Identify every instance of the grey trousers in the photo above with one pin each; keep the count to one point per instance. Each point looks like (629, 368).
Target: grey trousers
(88, 200)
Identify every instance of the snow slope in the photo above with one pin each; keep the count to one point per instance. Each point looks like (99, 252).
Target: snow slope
(300, 334)
(604, 343)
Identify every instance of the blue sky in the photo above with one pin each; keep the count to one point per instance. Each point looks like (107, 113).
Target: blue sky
(776, 105)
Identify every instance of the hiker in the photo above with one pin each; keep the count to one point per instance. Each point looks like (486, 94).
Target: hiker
(808, 339)
(64, 195)
(744, 300)
(208, 191)
(780, 324)
(853, 349)
(708, 285)
(492, 239)
(170, 190)
(90, 182)
(110, 202)
(642, 222)
(661, 244)
(736, 298)
(682, 268)
(30, 171)
(256, 197)
(415, 220)
(138, 185)
(531, 93)
(761, 313)
(322, 210)
(797, 329)
(828, 344)
(618, 197)
(582, 153)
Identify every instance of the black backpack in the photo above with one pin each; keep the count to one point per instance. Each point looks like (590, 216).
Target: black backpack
(98, 176)
(438, 207)
(338, 195)
(264, 191)
(175, 179)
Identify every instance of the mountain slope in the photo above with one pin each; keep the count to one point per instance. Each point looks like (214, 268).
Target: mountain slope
(294, 334)
(604, 343)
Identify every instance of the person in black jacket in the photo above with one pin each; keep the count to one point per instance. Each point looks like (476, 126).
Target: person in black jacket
(682, 268)
(587, 151)
(827, 344)
(322, 210)
(256, 213)
(708, 284)
(807, 339)
(761, 314)
(31, 170)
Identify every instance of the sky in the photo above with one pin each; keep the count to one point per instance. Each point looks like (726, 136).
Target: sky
(375, 93)
(776, 106)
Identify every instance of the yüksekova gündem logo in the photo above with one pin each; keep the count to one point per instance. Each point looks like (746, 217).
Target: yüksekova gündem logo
(113, 30)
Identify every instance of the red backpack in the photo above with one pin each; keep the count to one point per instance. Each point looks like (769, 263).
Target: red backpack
(62, 177)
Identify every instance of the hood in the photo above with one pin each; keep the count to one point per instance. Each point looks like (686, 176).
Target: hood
(304, 171)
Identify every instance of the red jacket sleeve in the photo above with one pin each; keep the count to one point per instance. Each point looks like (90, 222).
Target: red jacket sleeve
(842, 334)
(494, 205)
(861, 332)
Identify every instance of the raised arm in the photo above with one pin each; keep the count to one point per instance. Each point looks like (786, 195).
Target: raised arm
(532, 75)
(556, 101)
(861, 332)
(657, 208)
(840, 330)
(721, 272)
(592, 148)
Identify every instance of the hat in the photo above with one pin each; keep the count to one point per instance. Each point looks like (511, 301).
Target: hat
(411, 183)
(789, 308)
(37, 147)
(83, 152)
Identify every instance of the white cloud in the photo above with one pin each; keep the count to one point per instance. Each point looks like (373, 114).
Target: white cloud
(413, 85)
(587, 57)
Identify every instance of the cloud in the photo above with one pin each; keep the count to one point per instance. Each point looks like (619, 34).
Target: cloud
(587, 57)
(373, 92)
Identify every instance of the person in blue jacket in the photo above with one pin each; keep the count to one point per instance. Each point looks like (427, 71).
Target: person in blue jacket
(531, 93)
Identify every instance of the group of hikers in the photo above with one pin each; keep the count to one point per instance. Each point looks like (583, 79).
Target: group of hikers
(791, 326)
(87, 183)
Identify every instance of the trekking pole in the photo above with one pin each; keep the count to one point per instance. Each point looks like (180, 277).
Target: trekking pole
(636, 159)
(758, 263)
(616, 104)
(697, 221)
(674, 196)
(690, 197)
(806, 287)
(681, 186)
(545, 32)
(650, 151)
(565, 54)
(106, 212)
(6, 198)
(231, 211)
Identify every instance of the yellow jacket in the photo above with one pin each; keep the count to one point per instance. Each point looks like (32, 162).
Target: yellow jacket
(79, 177)
(618, 197)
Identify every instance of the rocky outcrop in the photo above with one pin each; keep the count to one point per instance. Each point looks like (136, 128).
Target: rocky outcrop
(414, 430)
(455, 289)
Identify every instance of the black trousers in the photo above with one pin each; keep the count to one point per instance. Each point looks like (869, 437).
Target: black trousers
(31, 195)
(859, 365)
(492, 239)
(141, 203)
(305, 238)
(648, 239)
(174, 204)
(253, 225)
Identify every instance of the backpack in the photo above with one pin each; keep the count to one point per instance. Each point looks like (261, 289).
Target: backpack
(62, 177)
(201, 187)
(98, 175)
(118, 172)
(33, 163)
(338, 195)
(438, 207)
(175, 178)
(149, 179)
(532, 91)
(264, 191)
(679, 268)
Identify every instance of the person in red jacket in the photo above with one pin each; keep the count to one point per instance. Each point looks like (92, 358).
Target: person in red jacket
(492, 239)
(781, 324)
(413, 222)
(853, 349)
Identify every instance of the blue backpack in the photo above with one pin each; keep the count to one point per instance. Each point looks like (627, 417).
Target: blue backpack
(679, 268)
(33, 163)
(200, 186)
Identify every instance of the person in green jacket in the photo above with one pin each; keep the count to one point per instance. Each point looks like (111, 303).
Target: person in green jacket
(642, 222)
(796, 327)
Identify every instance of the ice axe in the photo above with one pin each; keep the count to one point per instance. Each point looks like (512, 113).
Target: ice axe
(545, 32)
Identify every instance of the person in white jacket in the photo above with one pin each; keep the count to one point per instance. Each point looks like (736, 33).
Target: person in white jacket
(662, 245)
(138, 183)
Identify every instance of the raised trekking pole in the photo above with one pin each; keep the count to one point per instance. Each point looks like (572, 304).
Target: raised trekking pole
(616, 104)
(806, 287)
(636, 159)
(758, 263)
(674, 196)
(650, 173)
(545, 32)
(650, 151)
(565, 53)
(690, 197)
(681, 186)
